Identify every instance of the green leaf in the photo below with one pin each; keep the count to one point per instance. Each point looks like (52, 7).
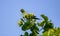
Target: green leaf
(48, 25)
(22, 10)
(26, 34)
(33, 34)
(44, 17)
(41, 23)
(20, 23)
(50, 32)
(27, 25)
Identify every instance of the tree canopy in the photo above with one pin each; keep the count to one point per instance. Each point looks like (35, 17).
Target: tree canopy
(29, 22)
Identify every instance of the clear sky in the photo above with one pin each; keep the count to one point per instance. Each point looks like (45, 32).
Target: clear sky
(10, 14)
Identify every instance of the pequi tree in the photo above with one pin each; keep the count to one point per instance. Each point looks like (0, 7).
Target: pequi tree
(29, 22)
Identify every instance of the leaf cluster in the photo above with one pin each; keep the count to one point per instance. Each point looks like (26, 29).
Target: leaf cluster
(29, 22)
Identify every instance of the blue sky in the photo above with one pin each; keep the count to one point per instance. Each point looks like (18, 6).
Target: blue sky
(10, 14)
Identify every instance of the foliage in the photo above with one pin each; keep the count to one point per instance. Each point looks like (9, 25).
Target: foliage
(52, 32)
(29, 22)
